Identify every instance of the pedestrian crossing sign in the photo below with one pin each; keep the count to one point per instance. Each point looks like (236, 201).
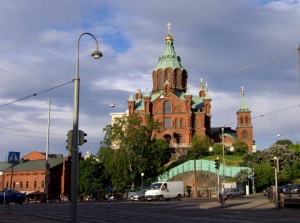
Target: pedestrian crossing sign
(13, 157)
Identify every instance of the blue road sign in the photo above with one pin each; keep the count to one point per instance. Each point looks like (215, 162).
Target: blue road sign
(109, 188)
(13, 157)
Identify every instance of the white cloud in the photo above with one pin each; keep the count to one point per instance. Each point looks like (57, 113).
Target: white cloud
(38, 51)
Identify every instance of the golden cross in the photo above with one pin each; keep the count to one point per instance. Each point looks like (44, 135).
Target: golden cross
(169, 28)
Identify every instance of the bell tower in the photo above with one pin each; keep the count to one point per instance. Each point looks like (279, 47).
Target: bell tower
(244, 127)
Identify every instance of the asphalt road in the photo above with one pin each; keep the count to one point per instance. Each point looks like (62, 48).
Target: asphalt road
(247, 209)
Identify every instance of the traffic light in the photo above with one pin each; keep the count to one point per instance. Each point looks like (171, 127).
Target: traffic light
(81, 135)
(217, 163)
(69, 140)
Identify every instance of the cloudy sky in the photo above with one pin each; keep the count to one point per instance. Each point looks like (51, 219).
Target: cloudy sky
(230, 44)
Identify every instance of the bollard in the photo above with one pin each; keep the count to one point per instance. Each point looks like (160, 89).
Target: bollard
(281, 200)
(108, 204)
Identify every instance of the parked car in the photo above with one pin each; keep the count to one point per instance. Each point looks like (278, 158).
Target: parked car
(11, 196)
(36, 197)
(291, 189)
(115, 197)
(234, 192)
(137, 195)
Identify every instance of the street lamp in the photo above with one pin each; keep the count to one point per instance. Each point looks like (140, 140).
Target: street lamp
(1, 180)
(224, 167)
(276, 180)
(195, 172)
(142, 175)
(74, 152)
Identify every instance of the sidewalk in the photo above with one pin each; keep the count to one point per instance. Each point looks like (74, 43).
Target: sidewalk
(240, 204)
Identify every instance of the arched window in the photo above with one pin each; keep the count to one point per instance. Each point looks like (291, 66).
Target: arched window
(168, 107)
(175, 79)
(245, 134)
(161, 80)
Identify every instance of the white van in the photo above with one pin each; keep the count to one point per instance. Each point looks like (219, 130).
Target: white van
(165, 191)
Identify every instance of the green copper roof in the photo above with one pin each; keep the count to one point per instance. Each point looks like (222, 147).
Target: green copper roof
(130, 98)
(147, 94)
(169, 57)
(243, 105)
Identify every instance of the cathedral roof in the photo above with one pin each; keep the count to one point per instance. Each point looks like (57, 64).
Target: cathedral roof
(169, 57)
(243, 105)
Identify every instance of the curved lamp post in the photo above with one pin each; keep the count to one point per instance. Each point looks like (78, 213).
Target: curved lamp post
(74, 152)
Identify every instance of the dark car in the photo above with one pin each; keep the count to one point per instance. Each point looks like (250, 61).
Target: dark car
(115, 197)
(291, 189)
(234, 192)
(137, 195)
(36, 197)
(11, 196)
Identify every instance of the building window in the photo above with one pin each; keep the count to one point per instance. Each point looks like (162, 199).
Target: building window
(27, 184)
(182, 123)
(168, 107)
(245, 134)
(177, 123)
(34, 184)
(14, 184)
(21, 184)
(7, 184)
(43, 183)
(161, 80)
(178, 138)
(168, 123)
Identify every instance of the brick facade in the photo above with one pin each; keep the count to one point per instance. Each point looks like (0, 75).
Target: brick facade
(181, 114)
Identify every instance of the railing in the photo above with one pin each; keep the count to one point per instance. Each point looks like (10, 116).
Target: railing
(205, 165)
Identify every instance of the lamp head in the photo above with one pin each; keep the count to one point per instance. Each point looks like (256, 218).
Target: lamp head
(97, 54)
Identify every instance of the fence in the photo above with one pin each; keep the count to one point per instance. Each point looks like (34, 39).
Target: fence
(205, 165)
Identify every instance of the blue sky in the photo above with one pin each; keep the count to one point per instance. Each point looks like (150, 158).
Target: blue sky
(230, 44)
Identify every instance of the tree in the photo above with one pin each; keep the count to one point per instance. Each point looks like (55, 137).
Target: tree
(264, 175)
(218, 149)
(91, 176)
(129, 149)
(287, 142)
(199, 145)
(288, 159)
(296, 148)
(240, 147)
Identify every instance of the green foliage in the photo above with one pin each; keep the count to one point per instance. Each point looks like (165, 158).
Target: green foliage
(134, 151)
(240, 147)
(218, 149)
(287, 142)
(200, 146)
(296, 148)
(91, 174)
(241, 176)
(287, 156)
(264, 175)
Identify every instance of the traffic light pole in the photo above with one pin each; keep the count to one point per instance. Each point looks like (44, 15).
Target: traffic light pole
(276, 182)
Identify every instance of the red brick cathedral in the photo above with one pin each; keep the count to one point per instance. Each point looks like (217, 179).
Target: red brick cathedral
(182, 114)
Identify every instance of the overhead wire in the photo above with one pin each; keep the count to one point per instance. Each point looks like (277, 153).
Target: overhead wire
(35, 94)
(266, 114)
(234, 71)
